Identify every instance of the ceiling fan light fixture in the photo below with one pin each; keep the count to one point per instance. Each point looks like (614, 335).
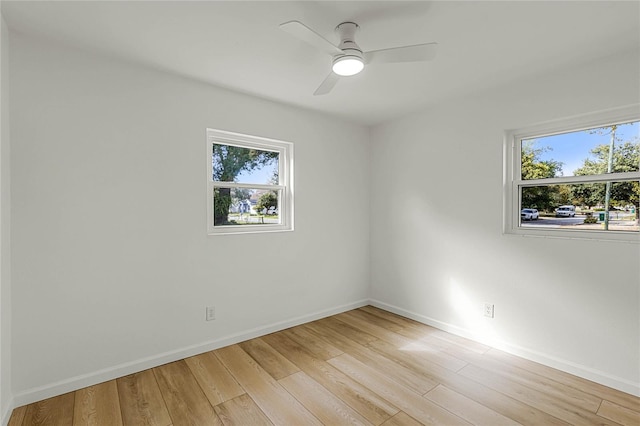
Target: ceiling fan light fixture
(347, 65)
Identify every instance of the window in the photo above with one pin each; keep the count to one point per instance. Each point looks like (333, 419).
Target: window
(578, 178)
(249, 184)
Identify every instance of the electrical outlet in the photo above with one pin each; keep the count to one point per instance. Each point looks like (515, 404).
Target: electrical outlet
(488, 310)
(211, 313)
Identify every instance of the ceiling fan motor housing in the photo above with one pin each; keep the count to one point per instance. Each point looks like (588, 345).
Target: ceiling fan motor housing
(351, 51)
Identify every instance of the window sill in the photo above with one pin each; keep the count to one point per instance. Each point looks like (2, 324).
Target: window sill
(631, 237)
(249, 229)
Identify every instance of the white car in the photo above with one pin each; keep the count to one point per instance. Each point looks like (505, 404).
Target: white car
(529, 214)
(566, 211)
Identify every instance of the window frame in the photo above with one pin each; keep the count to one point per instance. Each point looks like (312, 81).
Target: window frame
(513, 182)
(284, 186)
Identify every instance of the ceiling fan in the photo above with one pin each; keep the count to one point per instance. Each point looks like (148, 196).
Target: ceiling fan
(348, 58)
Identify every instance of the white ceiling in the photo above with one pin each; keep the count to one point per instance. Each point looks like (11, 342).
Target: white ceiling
(238, 45)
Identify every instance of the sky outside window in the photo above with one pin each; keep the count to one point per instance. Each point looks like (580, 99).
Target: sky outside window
(261, 175)
(571, 149)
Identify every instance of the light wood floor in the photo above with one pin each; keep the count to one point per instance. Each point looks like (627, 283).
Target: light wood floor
(362, 367)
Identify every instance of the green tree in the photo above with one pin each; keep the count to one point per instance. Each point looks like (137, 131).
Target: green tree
(228, 162)
(532, 167)
(626, 158)
(588, 194)
(561, 195)
(267, 200)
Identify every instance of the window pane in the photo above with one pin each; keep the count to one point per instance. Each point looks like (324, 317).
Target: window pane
(582, 153)
(582, 206)
(244, 165)
(243, 206)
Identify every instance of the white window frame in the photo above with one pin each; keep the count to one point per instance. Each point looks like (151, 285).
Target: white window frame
(513, 184)
(284, 186)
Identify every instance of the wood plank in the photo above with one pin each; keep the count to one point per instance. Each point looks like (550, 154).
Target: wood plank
(56, 411)
(346, 330)
(380, 321)
(467, 408)
(322, 403)
(402, 375)
(318, 347)
(402, 419)
(240, 411)
(557, 408)
(371, 406)
(551, 387)
(414, 361)
(407, 400)
(186, 402)
(427, 353)
(401, 321)
(409, 324)
(214, 379)
(507, 406)
(268, 394)
(354, 320)
(269, 359)
(619, 414)
(621, 398)
(17, 416)
(456, 340)
(97, 405)
(141, 401)
(326, 331)
(540, 383)
(459, 341)
(423, 336)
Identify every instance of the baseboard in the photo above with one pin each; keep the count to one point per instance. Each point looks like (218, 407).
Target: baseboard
(588, 373)
(58, 388)
(6, 415)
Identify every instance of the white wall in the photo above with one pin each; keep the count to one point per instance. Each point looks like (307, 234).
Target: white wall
(111, 261)
(5, 229)
(438, 252)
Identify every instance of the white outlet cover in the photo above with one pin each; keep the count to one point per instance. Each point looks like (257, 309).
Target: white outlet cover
(211, 313)
(488, 310)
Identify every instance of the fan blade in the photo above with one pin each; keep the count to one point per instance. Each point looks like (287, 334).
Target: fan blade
(306, 34)
(415, 53)
(328, 83)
